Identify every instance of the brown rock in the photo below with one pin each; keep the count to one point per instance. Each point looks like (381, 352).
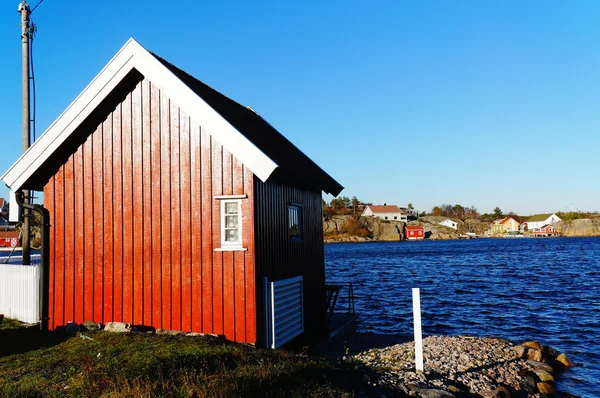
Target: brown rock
(117, 327)
(543, 375)
(534, 355)
(563, 359)
(533, 344)
(490, 394)
(545, 388)
(520, 351)
(504, 393)
(539, 365)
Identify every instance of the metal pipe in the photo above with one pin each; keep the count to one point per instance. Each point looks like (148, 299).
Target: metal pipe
(44, 254)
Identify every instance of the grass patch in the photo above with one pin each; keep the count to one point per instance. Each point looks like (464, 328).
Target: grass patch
(8, 323)
(49, 364)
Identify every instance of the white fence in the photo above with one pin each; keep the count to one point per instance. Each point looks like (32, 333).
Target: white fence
(284, 310)
(20, 291)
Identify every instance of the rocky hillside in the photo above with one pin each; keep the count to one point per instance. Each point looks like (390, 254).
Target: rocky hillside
(349, 228)
(581, 227)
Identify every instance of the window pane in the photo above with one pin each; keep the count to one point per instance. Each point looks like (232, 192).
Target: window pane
(231, 208)
(231, 221)
(231, 235)
(295, 222)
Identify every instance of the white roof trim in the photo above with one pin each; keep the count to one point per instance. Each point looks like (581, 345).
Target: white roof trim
(133, 55)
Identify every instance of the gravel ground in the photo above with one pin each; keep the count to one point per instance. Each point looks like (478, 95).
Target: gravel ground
(460, 366)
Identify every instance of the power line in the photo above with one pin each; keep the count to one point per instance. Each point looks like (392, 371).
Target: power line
(36, 6)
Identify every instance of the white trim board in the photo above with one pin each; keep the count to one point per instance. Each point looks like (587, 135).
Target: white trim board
(133, 56)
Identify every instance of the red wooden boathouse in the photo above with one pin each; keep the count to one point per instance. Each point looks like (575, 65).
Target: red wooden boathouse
(169, 203)
(414, 232)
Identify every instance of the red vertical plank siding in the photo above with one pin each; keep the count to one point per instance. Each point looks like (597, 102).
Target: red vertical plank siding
(97, 205)
(49, 205)
(207, 235)
(238, 277)
(228, 278)
(88, 228)
(186, 216)
(127, 172)
(107, 208)
(117, 199)
(248, 210)
(165, 205)
(175, 221)
(59, 250)
(147, 204)
(136, 224)
(196, 230)
(138, 205)
(157, 242)
(69, 237)
(217, 189)
(78, 222)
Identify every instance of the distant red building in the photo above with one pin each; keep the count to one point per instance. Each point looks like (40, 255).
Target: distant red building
(9, 238)
(413, 232)
(546, 230)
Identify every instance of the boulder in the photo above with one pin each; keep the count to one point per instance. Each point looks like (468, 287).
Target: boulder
(72, 327)
(534, 355)
(117, 327)
(535, 365)
(564, 360)
(432, 393)
(490, 394)
(545, 388)
(533, 344)
(543, 375)
(89, 326)
(504, 392)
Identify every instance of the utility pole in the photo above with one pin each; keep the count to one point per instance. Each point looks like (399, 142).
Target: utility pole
(25, 39)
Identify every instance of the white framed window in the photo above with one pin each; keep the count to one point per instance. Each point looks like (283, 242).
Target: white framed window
(231, 223)
(295, 222)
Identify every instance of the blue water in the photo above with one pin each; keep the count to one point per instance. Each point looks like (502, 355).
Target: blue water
(544, 289)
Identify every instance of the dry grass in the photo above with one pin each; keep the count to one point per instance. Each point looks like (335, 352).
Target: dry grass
(33, 364)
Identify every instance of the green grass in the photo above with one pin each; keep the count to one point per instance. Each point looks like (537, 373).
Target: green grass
(34, 364)
(8, 323)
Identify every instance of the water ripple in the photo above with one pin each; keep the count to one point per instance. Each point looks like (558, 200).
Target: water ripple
(545, 289)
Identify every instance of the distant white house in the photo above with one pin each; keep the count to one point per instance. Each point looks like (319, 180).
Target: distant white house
(385, 212)
(539, 220)
(449, 223)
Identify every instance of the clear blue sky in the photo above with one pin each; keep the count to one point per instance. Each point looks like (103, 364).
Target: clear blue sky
(484, 103)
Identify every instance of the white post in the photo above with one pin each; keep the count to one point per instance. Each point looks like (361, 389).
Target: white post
(416, 295)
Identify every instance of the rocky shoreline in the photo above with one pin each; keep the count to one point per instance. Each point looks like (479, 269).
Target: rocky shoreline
(459, 366)
(347, 228)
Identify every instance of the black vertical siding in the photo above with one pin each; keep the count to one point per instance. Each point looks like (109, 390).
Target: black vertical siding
(277, 257)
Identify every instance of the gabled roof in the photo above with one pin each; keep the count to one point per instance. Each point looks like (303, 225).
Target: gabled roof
(539, 217)
(504, 220)
(243, 132)
(384, 209)
(414, 227)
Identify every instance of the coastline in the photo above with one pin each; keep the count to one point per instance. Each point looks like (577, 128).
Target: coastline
(456, 365)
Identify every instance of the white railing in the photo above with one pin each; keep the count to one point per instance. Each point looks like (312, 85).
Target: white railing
(20, 291)
(284, 311)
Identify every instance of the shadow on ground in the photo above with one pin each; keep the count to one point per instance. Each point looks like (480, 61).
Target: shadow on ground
(22, 340)
(353, 343)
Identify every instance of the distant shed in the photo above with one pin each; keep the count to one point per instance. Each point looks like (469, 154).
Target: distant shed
(169, 204)
(414, 232)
